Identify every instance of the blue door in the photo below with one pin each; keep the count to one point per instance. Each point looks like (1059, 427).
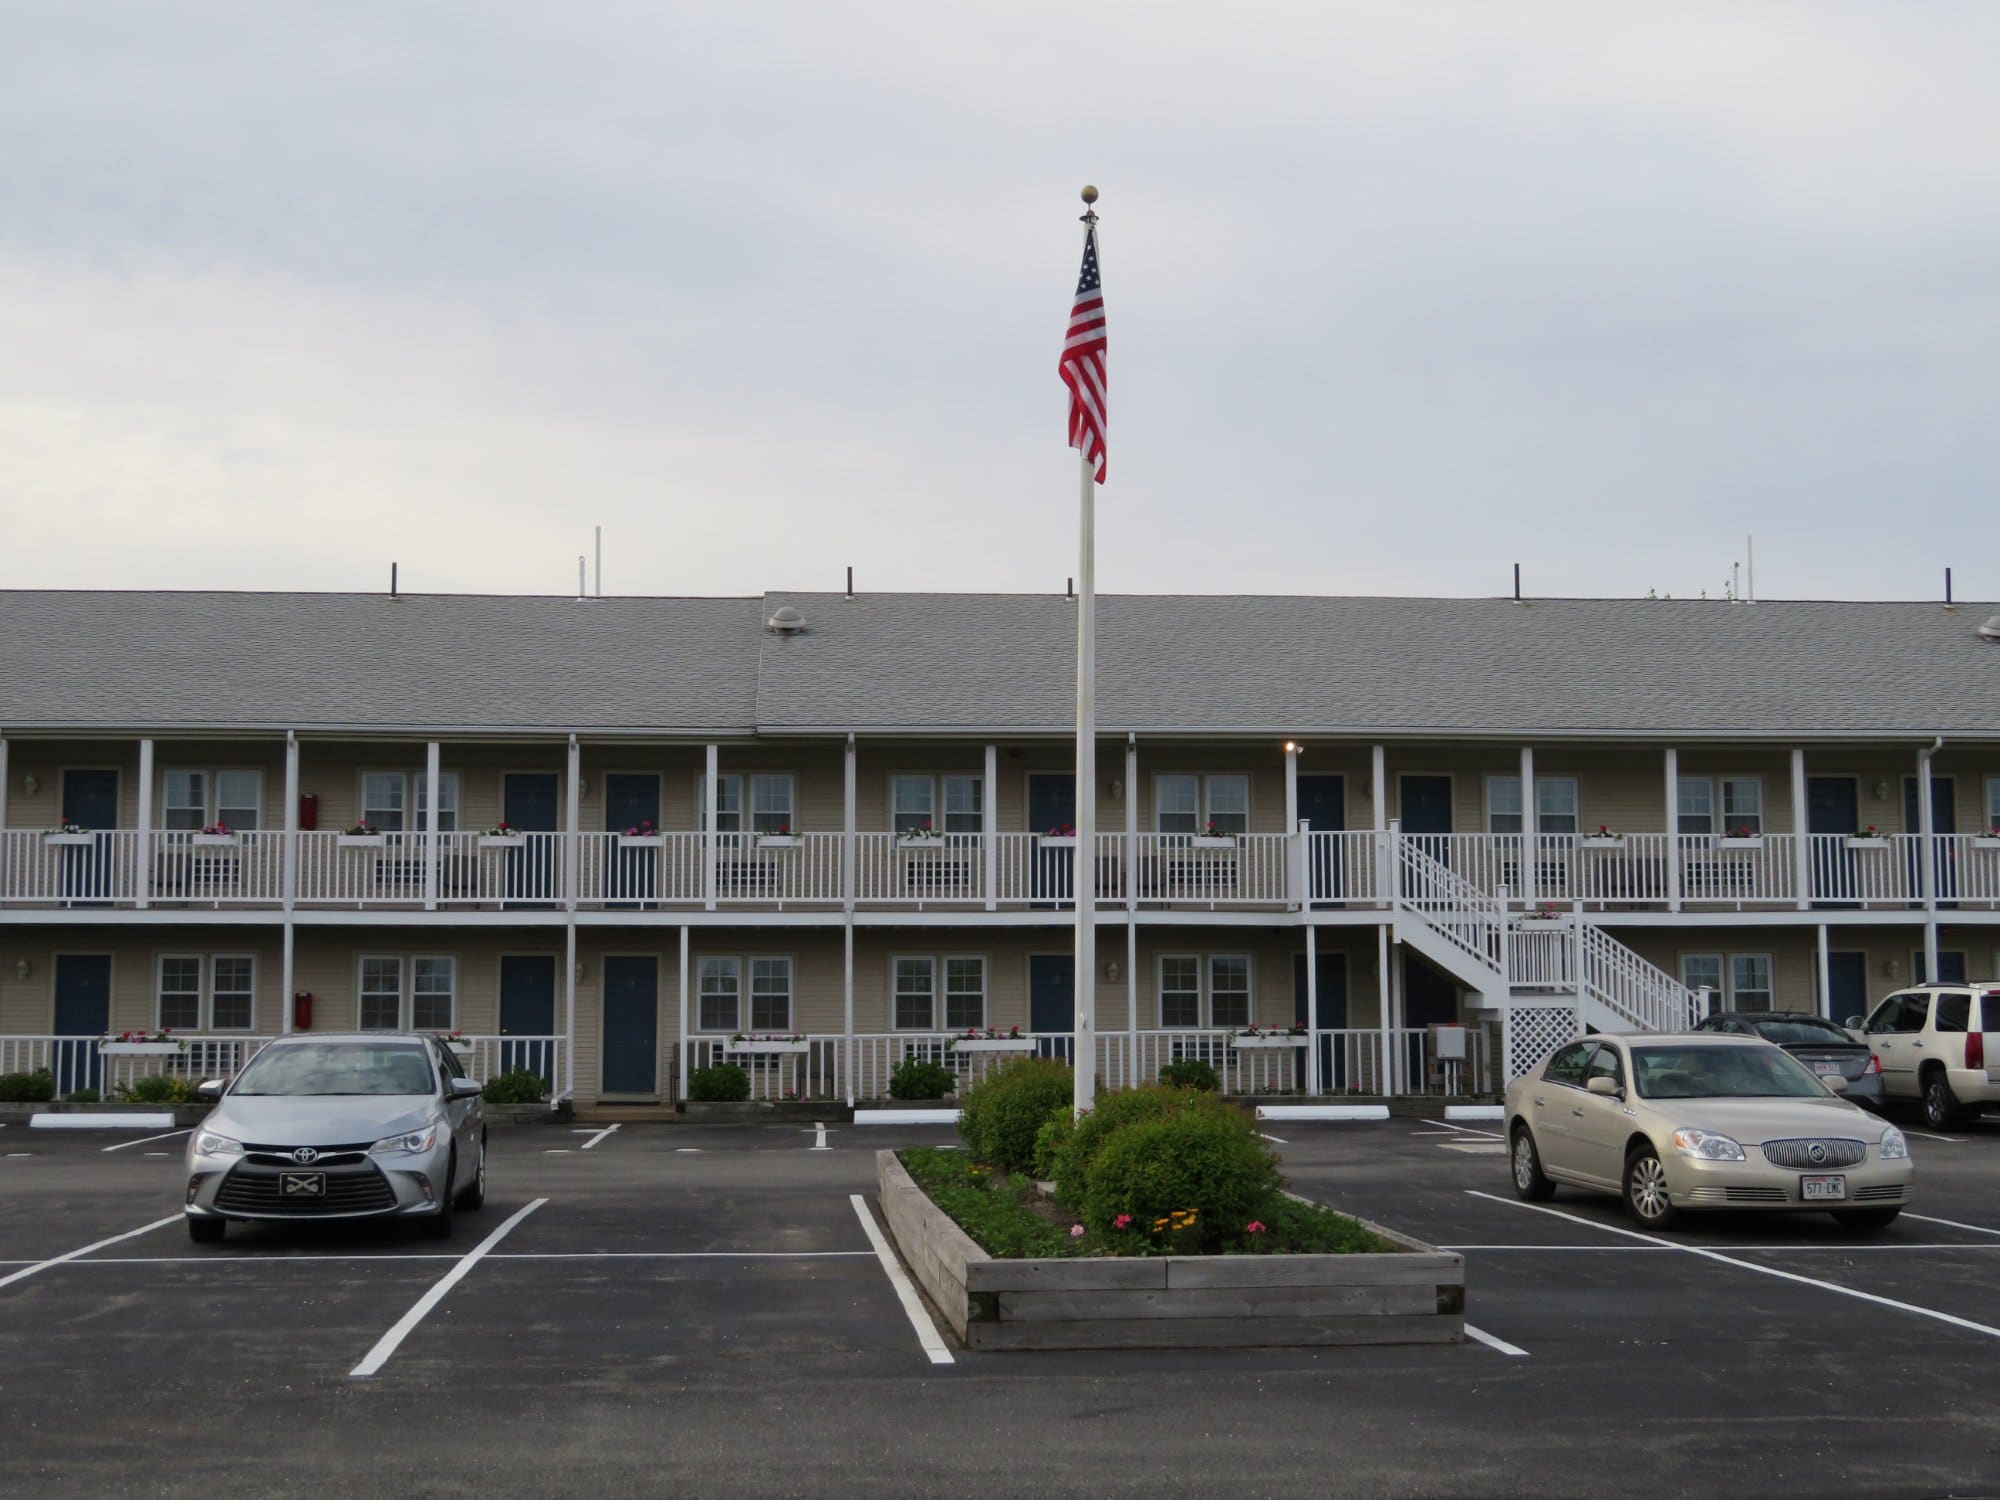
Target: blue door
(1334, 1064)
(1424, 803)
(1052, 804)
(89, 800)
(1833, 807)
(1323, 805)
(529, 806)
(1944, 820)
(631, 1025)
(83, 1010)
(528, 1009)
(1846, 986)
(631, 802)
(1052, 1003)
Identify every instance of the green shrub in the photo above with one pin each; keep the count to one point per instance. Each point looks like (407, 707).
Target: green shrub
(916, 1079)
(995, 1214)
(1206, 1160)
(1114, 1112)
(1190, 1073)
(83, 1096)
(515, 1086)
(723, 1084)
(158, 1088)
(1052, 1139)
(1000, 1115)
(38, 1087)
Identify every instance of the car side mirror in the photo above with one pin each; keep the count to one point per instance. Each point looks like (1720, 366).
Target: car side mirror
(466, 1088)
(1602, 1085)
(1852, 1023)
(210, 1089)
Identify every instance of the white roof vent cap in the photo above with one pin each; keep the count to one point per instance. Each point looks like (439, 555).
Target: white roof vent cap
(1991, 629)
(785, 621)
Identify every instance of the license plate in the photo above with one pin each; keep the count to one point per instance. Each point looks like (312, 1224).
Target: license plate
(1828, 1069)
(309, 1185)
(1822, 1189)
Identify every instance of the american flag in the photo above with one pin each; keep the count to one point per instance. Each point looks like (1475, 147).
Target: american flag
(1082, 367)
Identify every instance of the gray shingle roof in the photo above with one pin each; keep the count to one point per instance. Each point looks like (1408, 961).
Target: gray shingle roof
(468, 661)
(994, 663)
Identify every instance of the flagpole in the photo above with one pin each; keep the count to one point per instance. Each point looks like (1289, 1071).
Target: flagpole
(1084, 1061)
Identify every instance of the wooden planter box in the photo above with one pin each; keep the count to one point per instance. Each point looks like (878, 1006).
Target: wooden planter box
(1606, 841)
(1986, 841)
(1055, 841)
(503, 841)
(1266, 1043)
(1206, 841)
(1861, 841)
(141, 1049)
(1413, 1295)
(212, 840)
(1754, 841)
(69, 840)
(738, 1048)
(777, 841)
(994, 1044)
(642, 841)
(361, 840)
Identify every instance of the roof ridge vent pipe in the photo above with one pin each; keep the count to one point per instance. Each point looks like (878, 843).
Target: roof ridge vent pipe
(785, 620)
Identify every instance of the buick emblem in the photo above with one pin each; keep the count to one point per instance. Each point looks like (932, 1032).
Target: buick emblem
(305, 1156)
(1815, 1151)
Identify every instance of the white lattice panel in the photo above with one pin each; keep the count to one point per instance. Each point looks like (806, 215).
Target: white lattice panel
(1534, 1031)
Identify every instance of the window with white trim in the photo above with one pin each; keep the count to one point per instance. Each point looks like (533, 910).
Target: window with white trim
(1993, 804)
(1555, 804)
(912, 803)
(398, 801)
(1214, 991)
(232, 999)
(1695, 806)
(1750, 981)
(433, 985)
(915, 999)
(179, 1005)
(191, 800)
(720, 983)
(1699, 970)
(964, 993)
(948, 804)
(381, 1007)
(964, 804)
(1743, 804)
(728, 805)
(1186, 803)
(770, 994)
(1180, 990)
(1229, 989)
(771, 804)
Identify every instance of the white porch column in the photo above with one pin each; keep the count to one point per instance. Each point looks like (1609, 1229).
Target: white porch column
(710, 798)
(847, 1009)
(291, 852)
(1397, 1005)
(1825, 979)
(1673, 826)
(848, 852)
(1801, 839)
(1383, 950)
(1927, 859)
(143, 882)
(3, 782)
(1378, 786)
(1295, 836)
(1131, 911)
(1530, 828)
(572, 825)
(569, 1009)
(989, 828)
(432, 777)
(1312, 1010)
(681, 1071)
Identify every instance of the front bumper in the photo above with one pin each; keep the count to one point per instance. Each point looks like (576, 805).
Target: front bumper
(1758, 1184)
(256, 1186)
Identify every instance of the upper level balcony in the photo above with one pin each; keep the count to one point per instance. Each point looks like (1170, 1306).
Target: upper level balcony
(973, 872)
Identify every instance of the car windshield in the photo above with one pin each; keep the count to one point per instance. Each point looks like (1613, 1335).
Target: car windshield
(1803, 1032)
(1697, 1072)
(324, 1068)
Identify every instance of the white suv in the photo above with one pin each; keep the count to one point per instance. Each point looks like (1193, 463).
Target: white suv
(1939, 1044)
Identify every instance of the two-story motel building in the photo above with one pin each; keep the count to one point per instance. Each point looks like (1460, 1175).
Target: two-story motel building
(841, 819)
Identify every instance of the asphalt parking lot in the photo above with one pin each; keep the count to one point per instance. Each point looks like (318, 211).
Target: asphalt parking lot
(696, 1310)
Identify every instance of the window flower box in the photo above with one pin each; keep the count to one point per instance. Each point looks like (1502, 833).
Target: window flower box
(1055, 841)
(1267, 1041)
(503, 841)
(1986, 841)
(1601, 841)
(141, 1049)
(778, 841)
(739, 1045)
(67, 840)
(1212, 841)
(212, 840)
(642, 841)
(1740, 841)
(1020, 1044)
(361, 840)
(1868, 841)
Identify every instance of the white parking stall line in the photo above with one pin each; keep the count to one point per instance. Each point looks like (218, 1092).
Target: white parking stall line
(386, 1346)
(1749, 1265)
(1274, 1139)
(1952, 1223)
(266, 1261)
(124, 1145)
(1953, 1139)
(607, 1130)
(56, 1260)
(819, 1137)
(1467, 1129)
(1514, 1351)
(913, 1306)
(1829, 1249)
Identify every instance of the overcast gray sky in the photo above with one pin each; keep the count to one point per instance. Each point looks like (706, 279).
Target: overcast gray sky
(1399, 294)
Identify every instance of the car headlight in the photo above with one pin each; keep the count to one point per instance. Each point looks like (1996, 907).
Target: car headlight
(208, 1143)
(1894, 1147)
(416, 1140)
(1705, 1145)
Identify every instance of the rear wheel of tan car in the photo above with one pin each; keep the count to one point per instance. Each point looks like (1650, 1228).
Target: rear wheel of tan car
(1530, 1182)
(1646, 1197)
(1941, 1107)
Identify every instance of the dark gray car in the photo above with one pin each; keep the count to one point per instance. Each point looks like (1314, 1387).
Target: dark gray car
(340, 1127)
(1822, 1046)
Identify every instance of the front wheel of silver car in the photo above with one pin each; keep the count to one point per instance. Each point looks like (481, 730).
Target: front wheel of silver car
(475, 1191)
(438, 1225)
(1530, 1182)
(1646, 1197)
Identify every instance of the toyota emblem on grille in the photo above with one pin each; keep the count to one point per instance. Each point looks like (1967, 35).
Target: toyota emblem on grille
(1817, 1152)
(305, 1155)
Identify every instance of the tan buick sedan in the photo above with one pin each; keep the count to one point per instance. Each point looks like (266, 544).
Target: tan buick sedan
(1676, 1122)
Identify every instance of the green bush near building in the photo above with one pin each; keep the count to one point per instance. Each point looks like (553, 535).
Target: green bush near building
(724, 1083)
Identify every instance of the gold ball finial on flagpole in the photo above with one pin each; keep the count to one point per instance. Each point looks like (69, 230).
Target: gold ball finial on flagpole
(1089, 193)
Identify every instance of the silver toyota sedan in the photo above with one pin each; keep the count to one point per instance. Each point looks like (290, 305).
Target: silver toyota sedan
(339, 1127)
(1702, 1120)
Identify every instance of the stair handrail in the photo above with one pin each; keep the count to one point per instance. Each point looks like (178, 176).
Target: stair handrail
(1648, 996)
(1452, 906)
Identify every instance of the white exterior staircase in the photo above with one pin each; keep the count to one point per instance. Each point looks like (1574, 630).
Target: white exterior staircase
(1548, 976)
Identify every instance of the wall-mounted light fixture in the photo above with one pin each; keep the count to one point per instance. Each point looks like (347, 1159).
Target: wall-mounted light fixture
(23, 969)
(581, 968)
(1888, 968)
(1112, 971)
(30, 785)
(1293, 747)
(1881, 790)
(1117, 787)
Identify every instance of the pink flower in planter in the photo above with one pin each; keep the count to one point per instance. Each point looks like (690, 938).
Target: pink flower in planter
(1123, 1221)
(1256, 1226)
(1076, 1231)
